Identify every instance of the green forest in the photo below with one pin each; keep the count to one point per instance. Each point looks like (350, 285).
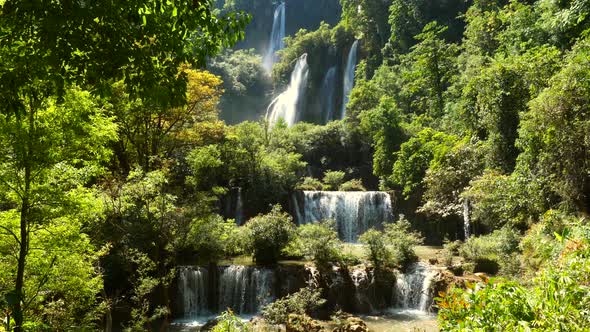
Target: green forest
(296, 165)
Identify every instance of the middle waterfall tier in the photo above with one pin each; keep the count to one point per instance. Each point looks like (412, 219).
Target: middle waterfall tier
(354, 212)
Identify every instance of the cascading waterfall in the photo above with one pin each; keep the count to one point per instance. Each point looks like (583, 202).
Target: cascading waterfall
(414, 288)
(276, 37)
(244, 289)
(466, 218)
(192, 286)
(327, 95)
(349, 76)
(286, 105)
(355, 212)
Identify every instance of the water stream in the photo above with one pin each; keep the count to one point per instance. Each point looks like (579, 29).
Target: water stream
(287, 104)
(277, 35)
(349, 76)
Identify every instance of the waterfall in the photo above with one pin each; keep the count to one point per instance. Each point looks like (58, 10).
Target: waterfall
(244, 289)
(327, 95)
(349, 76)
(286, 105)
(466, 218)
(414, 288)
(276, 37)
(192, 286)
(239, 208)
(354, 212)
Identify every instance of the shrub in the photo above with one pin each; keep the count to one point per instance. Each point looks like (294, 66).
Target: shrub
(303, 302)
(270, 234)
(352, 185)
(310, 183)
(319, 242)
(557, 298)
(228, 322)
(402, 241)
(494, 251)
(394, 246)
(210, 237)
(376, 248)
(333, 179)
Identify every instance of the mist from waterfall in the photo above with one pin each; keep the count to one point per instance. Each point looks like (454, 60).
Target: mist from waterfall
(287, 104)
(414, 287)
(355, 212)
(327, 95)
(277, 35)
(349, 76)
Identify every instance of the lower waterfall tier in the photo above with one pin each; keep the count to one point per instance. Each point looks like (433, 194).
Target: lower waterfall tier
(204, 291)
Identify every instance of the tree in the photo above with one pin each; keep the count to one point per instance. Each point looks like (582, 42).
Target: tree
(270, 233)
(554, 133)
(51, 151)
(319, 242)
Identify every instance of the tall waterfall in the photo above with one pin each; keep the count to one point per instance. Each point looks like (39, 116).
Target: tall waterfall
(414, 288)
(354, 212)
(244, 289)
(349, 76)
(276, 37)
(286, 105)
(327, 95)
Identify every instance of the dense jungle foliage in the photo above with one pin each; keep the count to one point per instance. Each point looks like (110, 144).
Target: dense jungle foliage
(115, 165)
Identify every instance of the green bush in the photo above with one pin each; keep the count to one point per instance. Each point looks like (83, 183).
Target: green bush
(333, 179)
(311, 184)
(556, 300)
(228, 322)
(214, 238)
(392, 247)
(494, 252)
(377, 251)
(319, 242)
(352, 185)
(270, 234)
(303, 302)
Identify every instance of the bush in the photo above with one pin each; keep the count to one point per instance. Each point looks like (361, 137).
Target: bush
(228, 322)
(394, 246)
(402, 242)
(352, 185)
(212, 238)
(270, 234)
(333, 179)
(319, 242)
(311, 184)
(499, 247)
(377, 252)
(556, 300)
(303, 302)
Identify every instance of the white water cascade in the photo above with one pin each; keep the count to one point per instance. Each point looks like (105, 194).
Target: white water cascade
(276, 37)
(244, 289)
(239, 218)
(467, 218)
(355, 212)
(414, 288)
(192, 286)
(349, 76)
(286, 105)
(327, 95)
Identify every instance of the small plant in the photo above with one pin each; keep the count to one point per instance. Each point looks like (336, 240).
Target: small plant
(333, 179)
(352, 185)
(228, 322)
(303, 302)
(311, 184)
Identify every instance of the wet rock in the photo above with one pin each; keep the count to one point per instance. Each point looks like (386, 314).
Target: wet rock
(352, 324)
(303, 323)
